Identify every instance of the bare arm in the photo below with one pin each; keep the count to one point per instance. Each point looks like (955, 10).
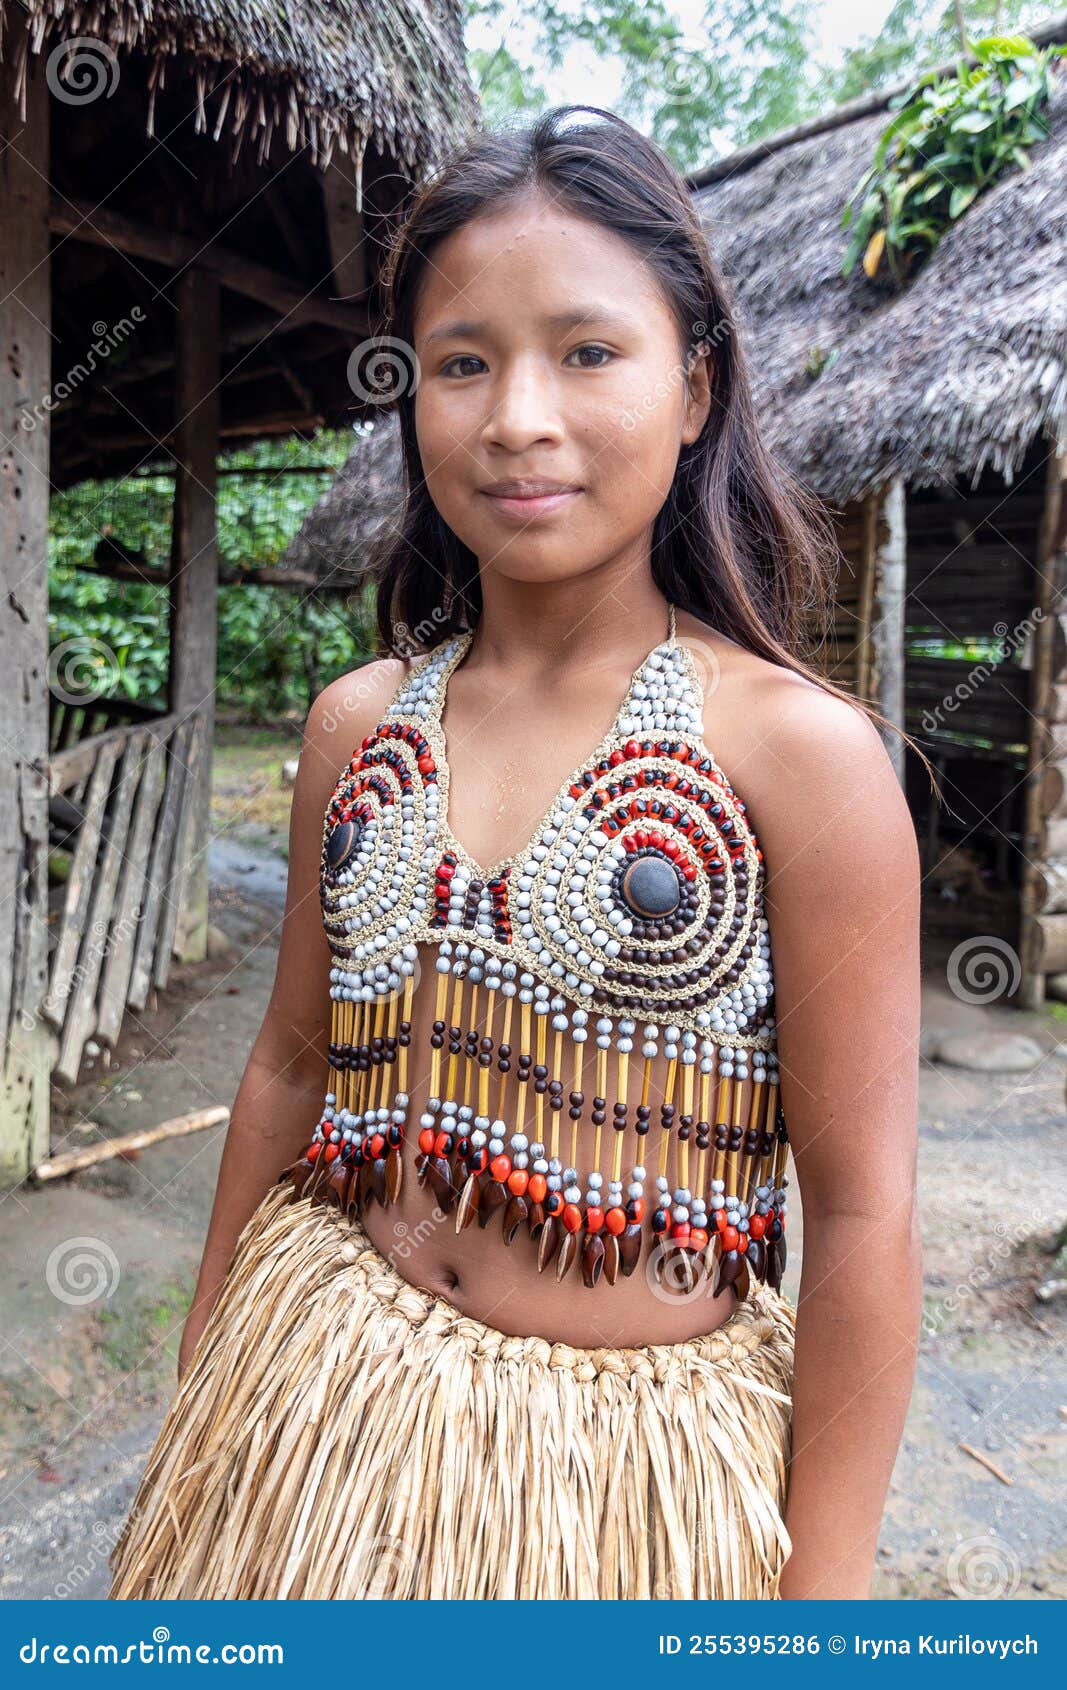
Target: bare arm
(280, 1096)
(843, 907)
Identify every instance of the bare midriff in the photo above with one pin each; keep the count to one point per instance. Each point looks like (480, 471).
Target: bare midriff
(499, 1283)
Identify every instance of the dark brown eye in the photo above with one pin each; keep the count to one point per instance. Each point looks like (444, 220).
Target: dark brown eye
(603, 351)
(464, 358)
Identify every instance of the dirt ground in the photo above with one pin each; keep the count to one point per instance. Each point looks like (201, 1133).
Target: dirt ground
(96, 1270)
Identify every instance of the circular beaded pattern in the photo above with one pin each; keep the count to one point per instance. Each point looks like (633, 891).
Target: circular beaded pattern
(375, 830)
(645, 815)
(640, 891)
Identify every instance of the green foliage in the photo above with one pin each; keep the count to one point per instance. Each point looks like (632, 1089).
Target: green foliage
(276, 647)
(951, 138)
(742, 74)
(912, 36)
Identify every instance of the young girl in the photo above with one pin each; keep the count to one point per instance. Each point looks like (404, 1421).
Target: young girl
(595, 908)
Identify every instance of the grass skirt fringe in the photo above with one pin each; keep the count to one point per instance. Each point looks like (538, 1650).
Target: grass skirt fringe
(341, 1433)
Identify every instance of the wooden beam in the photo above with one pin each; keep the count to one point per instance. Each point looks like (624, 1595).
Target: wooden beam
(120, 570)
(25, 377)
(292, 300)
(195, 575)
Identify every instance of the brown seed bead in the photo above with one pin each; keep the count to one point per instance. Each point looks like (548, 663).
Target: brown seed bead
(643, 1115)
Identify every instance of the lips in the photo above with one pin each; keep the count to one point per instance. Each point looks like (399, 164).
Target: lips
(528, 488)
(528, 500)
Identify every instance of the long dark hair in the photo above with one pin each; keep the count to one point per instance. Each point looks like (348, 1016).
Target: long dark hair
(739, 542)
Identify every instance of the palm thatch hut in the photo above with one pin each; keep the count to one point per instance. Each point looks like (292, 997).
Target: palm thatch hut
(930, 421)
(192, 205)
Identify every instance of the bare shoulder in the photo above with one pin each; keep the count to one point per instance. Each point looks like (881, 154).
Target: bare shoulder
(808, 764)
(342, 716)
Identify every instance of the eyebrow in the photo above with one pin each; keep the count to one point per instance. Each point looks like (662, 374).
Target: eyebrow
(467, 327)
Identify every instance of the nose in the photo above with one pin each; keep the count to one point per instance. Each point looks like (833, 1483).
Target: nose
(525, 408)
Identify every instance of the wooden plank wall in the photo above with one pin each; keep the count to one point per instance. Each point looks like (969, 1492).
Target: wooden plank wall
(125, 794)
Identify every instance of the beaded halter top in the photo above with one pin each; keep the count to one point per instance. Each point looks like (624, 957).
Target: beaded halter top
(630, 927)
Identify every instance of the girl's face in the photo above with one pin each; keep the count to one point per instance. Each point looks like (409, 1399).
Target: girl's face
(553, 397)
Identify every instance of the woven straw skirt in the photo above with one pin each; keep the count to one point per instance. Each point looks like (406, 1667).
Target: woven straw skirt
(342, 1433)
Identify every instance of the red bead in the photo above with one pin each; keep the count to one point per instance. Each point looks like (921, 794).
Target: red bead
(615, 1221)
(632, 748)
(313, 1150)
(537, 1187)
(730, 1236)
(681, 1229)
(426, 1140)
(757, 1225)
(639, 1208)
(377, 1144)
(518, 1180)
(500, 1167)
(426, 765)
(330, 1152)
(442, 1144)
(572, 1217)
(594, 1219)
(698, 1237)
(719, 1217)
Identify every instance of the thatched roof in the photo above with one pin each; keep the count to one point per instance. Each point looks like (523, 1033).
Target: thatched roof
(957, 372)
(354, 515)
(274, 142)
(317, 72)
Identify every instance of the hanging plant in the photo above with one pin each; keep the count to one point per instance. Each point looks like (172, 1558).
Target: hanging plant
(953, 138)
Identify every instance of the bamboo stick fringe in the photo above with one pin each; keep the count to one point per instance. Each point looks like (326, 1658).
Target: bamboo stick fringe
(340, 1433)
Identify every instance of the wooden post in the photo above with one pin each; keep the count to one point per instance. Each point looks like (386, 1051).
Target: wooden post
(25, 376)
(345, 226)
(194, 580)
(1036, 955)
(889, 591)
